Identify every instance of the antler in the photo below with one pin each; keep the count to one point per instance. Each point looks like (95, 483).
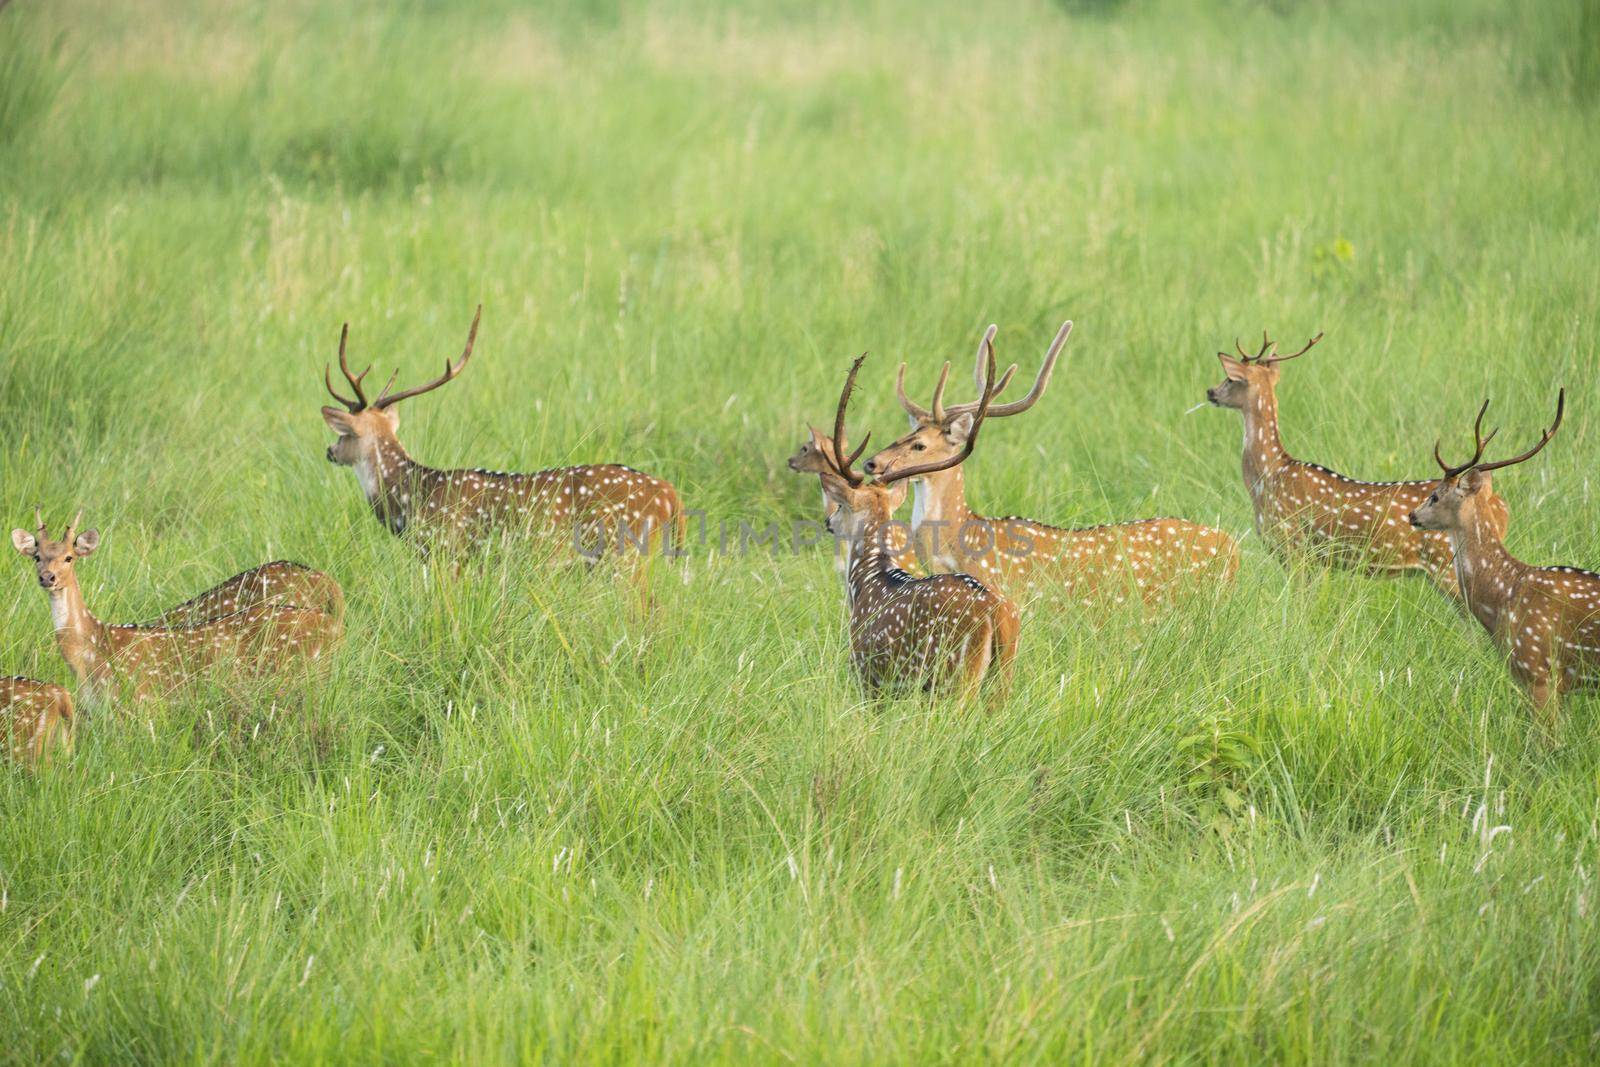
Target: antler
(1040, 383)
(972, 438)
(1269, 345)
(38, 517)
(939, 412)
(72, 527)
(360, 402)
(842, 462)
(451, 371)
(1274, 360)
(1480, 443)
(1544, 438)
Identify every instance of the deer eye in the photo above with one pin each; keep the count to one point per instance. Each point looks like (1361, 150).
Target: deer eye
(919, 447)
(66, 559)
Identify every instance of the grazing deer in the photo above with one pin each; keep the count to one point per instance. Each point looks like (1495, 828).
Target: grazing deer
(933, 631)
(1146, 559)
(816, 455)
(278, 582)
(1546, 620)
(470, 507)
(34, 717)
(1302, 507)
(156, 659)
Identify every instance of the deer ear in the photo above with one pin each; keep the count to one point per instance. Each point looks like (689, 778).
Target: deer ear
(339, 422)
(958, 429)
(1474, 480)
(85, 543)
(23, 542)
(1231, 367)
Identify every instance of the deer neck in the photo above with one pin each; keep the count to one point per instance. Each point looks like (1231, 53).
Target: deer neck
(871, 557)
(939, 503)
(1263, 449)
(80, 636)
(386, 472)
(1487, 573)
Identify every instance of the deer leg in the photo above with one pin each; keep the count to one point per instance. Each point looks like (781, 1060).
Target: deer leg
(1007, 632)
(979, 652)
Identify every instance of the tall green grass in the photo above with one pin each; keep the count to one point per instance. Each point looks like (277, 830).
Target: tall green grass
(1304, 819)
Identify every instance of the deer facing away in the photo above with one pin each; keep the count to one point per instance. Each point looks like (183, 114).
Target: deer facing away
(1147, 559)
(1308, 509)
(148, 660)
(1545, 620)
(937, 631)
(34, 718)
(469, 508)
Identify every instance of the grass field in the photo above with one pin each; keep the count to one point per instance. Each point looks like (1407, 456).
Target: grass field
(1304, 819)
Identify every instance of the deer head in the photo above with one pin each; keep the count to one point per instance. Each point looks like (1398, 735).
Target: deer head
(1454, 501)
(860, 504)
(941, 431)
(815, 454)
(1248, 375)
(363, 426)
(54, 559)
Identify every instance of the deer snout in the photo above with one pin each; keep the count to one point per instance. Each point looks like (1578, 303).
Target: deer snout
(873, 466)
(47, 580)
(1211, 395)
(1412, 519)
(331, 458)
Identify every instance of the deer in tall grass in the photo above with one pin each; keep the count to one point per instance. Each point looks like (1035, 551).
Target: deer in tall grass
(941, 631)
(35, 717)
(816, 455)
(1305, 509)
(153, 659)
(278, 582)
(597, 509)
(1545, 620)
(1144, 560)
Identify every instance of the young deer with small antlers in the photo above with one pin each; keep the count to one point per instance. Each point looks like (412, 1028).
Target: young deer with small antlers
(1546, 620)
(155, 659)
(938, 631)
(1302, 507)
(34, 718)
(469, 508)
(816, 455)
(1146, 559)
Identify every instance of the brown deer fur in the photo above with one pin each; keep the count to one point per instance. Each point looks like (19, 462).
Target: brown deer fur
(35, 717)
(147, 660)
(1146, 559)
(1305, 509)
(1546, 620)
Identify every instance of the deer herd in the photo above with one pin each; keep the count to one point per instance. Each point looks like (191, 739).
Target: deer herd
(937, 603)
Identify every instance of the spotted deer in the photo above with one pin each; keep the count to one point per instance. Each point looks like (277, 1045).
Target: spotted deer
(1305, 509)
(155, 659)
(1545, 620)
(599, 509)
(940, 631)
(278, 582)
(35, 717)
(816, 455)
(1146, 560)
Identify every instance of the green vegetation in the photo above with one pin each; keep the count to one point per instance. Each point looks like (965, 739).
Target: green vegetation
(1306, 819)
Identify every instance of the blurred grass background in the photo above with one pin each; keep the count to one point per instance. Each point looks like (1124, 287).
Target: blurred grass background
(1306, 819)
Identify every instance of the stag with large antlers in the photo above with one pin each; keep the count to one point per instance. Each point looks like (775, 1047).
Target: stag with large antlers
(599, 508)
(1144, 560)
(1546, 620)
(149, 660)
(34, 718)
(940, 631)
(1305, 509)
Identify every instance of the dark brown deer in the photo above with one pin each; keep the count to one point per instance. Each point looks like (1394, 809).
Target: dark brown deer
(597, 510)
(936, 632)
(1302, 509)
(1546, 620)
(35, 717)
(1146, 559)
(149, 660)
